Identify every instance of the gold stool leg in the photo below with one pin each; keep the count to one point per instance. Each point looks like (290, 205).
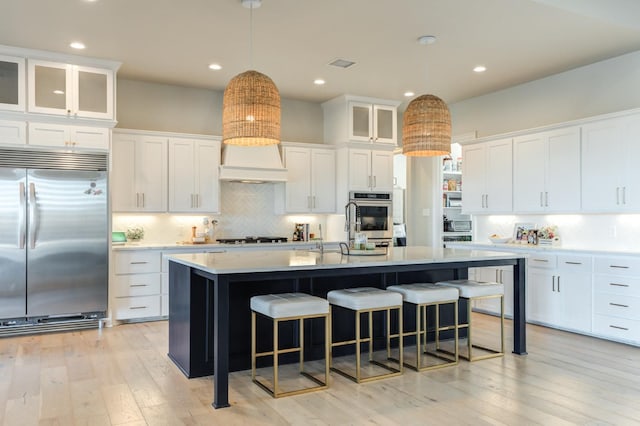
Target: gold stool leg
(253, 346)
(456, 331)
(370, 335)
(419, 335)
(502, 323)
(327, 345)
(388, 333)
(400, 341)
(301, 341)
(276, 386)
(469, 344)
(357, 346)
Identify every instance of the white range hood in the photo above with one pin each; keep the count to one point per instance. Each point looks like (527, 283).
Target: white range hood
(252, 164)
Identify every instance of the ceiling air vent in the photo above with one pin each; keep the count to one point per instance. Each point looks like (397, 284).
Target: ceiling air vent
(342, 63)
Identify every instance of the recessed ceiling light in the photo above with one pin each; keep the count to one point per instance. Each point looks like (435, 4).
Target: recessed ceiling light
(77, 45)
(215, 67)
(58, 92)
(318, 82)
(480, 68)
(427, 39)
(409, 94)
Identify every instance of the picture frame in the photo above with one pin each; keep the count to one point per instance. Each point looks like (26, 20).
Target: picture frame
(521, 231)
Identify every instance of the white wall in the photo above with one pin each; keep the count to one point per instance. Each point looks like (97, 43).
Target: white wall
(603, 87)
(153, 106)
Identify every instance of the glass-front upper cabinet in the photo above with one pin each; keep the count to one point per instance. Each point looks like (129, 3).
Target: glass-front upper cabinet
(12, 85)
(372, 122)
(71, 90)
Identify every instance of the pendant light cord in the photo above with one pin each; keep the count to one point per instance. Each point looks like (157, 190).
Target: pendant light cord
(251, 37)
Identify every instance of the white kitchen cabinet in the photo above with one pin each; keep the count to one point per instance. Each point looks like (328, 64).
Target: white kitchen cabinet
(611, 178)
(369, 170)
(500, 274)
(359, 119)
(64, 136)
(139, 173)
(12, 83)
(616, 307)
(487, 177)
(193, 176)
(546, 171)
(311, 182)
(136, 284)
(559, 291)
(70, 90)
(13, 132)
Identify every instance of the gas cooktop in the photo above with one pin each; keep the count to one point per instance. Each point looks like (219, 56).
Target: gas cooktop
(252, 240)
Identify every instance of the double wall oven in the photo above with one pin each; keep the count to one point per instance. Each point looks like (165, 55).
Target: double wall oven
(372, 214)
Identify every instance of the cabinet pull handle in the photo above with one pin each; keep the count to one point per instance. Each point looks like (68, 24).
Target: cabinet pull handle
(624, 195)
(573, 263)
(619, 266)
(617, 195)
(138, 263)
(138, 285)
(143, 203)
(541, 204)
(558, 283)
(487, 200)
(618, 327)
(496, 275)
(138, 307)
(540, 260)
(546, 199)
(501, 279)
(619, 285)
(314, 201)
(553, 283)
(375, 181)
(620, 305)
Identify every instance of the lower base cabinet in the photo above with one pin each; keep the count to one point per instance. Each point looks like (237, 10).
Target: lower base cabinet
(137, 284)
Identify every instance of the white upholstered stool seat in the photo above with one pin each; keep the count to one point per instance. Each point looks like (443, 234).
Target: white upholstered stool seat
(470, 289)
(282, 308)
(423, 296)
(362, 298)
(424, 293)
(473, 290)
(289, 305)
(367, 300)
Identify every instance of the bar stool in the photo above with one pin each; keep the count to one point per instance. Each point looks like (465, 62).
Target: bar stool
(423, 295)
(367, 300)
(474, 290)
(289, 307)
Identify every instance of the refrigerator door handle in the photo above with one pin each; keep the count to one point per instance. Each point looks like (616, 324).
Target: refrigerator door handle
(32, 216)
(23, 231)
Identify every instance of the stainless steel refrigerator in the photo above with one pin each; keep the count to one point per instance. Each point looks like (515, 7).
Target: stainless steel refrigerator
(53, 236)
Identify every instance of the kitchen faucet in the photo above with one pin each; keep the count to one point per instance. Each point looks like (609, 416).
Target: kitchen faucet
(348, 222)
(320, 243)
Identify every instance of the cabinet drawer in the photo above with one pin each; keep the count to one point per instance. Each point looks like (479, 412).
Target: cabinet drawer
(137, 262)
(617, 328)
(617, 305)
(547, 261)
(137, 307)
(137, 285)
(613, 284)
(578, 264)
(627, 266)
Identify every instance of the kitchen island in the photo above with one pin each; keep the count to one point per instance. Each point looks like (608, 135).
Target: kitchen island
(209, 294)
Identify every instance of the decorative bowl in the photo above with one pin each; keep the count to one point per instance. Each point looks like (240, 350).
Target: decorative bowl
(499, 240)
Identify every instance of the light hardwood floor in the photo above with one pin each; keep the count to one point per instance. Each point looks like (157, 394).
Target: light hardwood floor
(122, 376)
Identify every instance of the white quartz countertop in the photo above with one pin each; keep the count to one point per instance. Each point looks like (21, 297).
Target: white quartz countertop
(217, 246)
(284, 260)
(530, 248)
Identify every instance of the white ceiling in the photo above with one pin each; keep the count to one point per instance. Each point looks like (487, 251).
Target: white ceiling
(173, 41)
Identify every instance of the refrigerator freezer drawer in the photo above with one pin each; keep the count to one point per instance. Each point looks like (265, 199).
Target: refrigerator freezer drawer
(137, 307)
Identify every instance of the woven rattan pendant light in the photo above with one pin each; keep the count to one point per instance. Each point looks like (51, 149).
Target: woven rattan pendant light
(251, 105)
(426, 125)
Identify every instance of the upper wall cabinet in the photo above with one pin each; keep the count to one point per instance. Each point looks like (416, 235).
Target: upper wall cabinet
(611, 178)
(358, 119)
(487, 177)
(139, 173)
(12, 84)
(311, 182)
(193, 176)
(70, 90)
(546, 173)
